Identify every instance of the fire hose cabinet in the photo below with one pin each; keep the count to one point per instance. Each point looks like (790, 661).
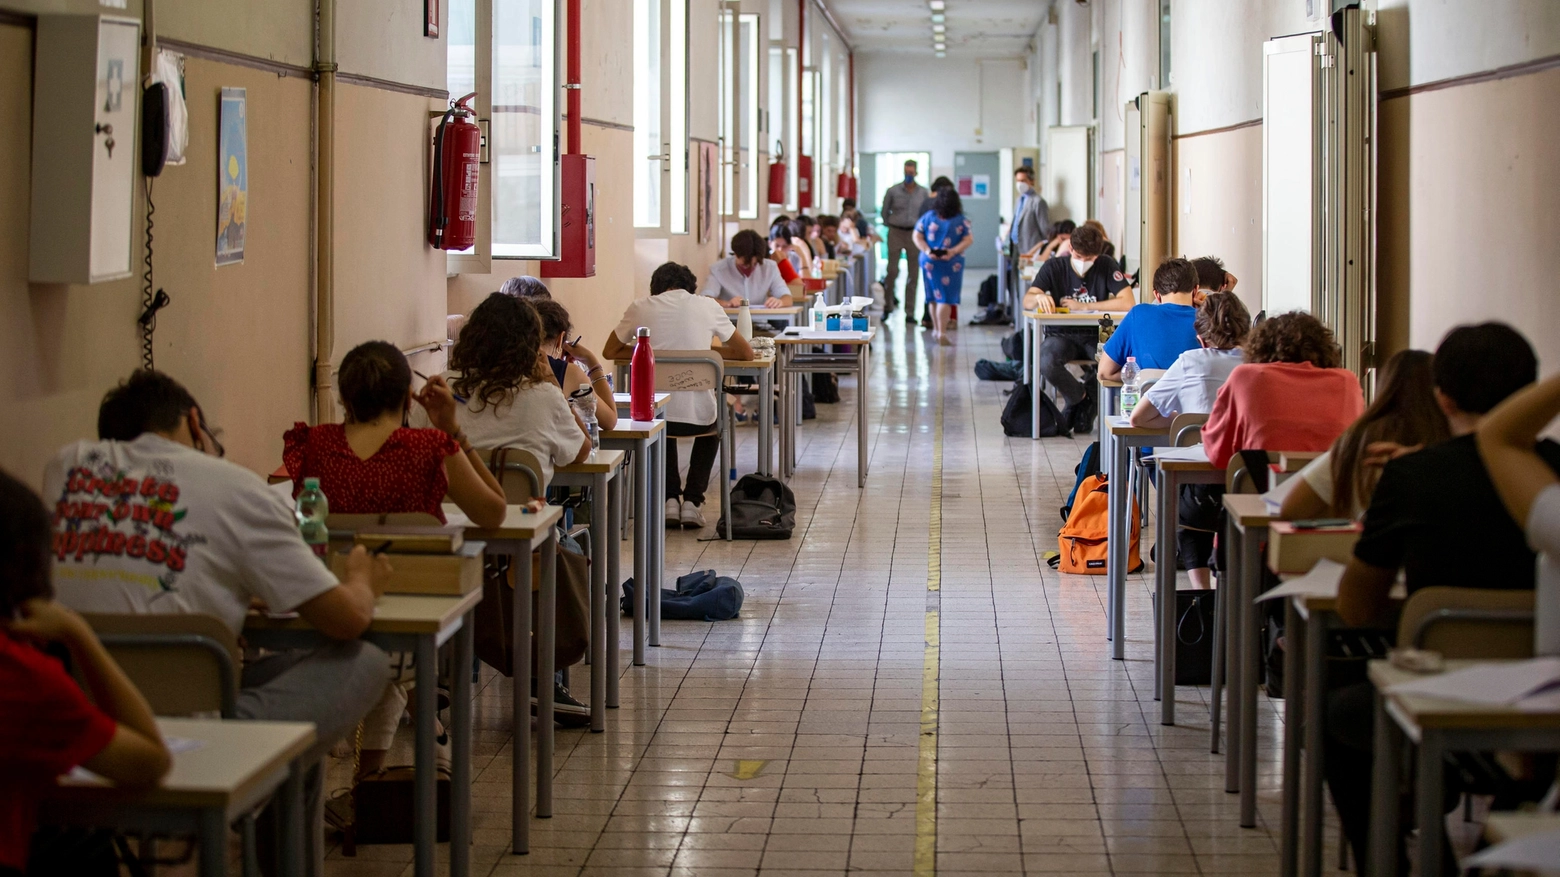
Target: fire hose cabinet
(86, 93)
(577, 219)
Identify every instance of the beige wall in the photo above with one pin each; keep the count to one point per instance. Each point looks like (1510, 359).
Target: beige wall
(1218, 203)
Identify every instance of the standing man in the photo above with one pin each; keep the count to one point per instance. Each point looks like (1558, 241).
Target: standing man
(1031, 226)
(903, 205)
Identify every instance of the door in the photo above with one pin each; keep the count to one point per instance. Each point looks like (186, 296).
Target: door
(977, 175)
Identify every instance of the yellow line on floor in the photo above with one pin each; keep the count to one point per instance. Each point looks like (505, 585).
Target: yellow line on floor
(926, 773)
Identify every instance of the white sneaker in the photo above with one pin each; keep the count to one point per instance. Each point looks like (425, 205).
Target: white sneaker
(692, 517)
(674, 513)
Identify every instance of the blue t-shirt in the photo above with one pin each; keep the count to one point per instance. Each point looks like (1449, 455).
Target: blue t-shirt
(1155, 334)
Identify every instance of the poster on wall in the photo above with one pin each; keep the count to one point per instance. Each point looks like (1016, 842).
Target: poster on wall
(708, 161)
(232, 177)
(431, 18)
(974, 185)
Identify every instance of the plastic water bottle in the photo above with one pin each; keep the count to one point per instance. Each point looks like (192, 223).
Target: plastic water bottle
(819, 315)
(311, 510)
(641, 378)
(584, 402)
(1131, 388)
(745, 321)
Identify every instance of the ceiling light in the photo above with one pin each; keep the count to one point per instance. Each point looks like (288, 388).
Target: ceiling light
(937, 5)
(938, 29)
(942, 54)
(938, 17)
(939, 45)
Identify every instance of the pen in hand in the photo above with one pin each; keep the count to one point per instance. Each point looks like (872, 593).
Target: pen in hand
(458, 397)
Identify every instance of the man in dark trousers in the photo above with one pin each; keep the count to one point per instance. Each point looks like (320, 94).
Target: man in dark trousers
(903, 205)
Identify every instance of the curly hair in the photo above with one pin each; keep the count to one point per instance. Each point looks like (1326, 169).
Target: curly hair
(946, 202)
(1293, 337)
(499, 351)
(374, 378)
(1222, 321)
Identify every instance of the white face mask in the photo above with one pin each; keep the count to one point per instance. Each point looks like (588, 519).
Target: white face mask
(1024, 188)
(1082, 266)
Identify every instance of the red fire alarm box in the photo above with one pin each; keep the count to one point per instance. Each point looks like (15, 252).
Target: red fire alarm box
(577, 216)
(804, 172)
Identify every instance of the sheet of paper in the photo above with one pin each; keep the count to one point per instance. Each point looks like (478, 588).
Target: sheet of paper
(1275, 497)
(1499, 684)
(1321, 581)
(1193, 454)
(1535, 852)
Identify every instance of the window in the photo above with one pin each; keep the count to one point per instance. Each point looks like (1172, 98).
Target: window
(507, 52)
(1164, 44)
(739, 115)
(661, 115)
(775, 141)
(747, 109)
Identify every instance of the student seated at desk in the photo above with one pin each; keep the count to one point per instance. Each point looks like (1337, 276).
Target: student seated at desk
(526, 287)
(786, 259)
(1211, 276)
(512, 401)
(827, 234)
(1156, 334)
(1084, 279)
(148, 518)
(1404, 414)
(1435, 515)
(679, 320)
(1530, 491)
(574, 365)
(47, 724)
(748, 275)
(374, 464)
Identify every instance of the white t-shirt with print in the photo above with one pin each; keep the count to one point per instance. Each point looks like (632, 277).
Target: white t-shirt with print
(679, 320)
(1543, 536)
(1191, 383)
(537, 419)
(154, 526)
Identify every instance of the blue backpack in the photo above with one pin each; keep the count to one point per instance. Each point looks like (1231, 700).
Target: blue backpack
(700, 596)
(1089, 465)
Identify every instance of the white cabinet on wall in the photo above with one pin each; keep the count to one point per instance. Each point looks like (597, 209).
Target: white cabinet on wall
(85, 105)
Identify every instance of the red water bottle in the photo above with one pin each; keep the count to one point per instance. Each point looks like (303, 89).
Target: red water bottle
(641, 378)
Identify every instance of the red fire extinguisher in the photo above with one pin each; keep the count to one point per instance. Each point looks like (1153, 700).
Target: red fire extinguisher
(777, 177)
(845, 186)
(804, 172)
(457, 156)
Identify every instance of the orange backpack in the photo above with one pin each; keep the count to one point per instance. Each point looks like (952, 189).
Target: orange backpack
(1084, 539)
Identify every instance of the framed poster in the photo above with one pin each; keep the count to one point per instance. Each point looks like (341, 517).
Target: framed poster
(708, 162)
(431, 18)
(232, 177)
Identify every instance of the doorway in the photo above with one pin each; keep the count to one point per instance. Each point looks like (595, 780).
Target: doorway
(978, 176)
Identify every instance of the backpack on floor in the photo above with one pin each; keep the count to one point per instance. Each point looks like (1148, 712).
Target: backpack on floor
(1013, 345)
(761, 508)
(699, 596)
(1083, 541)
(991, 370)
(987, 295)
(1088, 465)
(1017, 418)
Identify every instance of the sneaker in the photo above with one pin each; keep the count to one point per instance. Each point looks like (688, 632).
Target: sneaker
(910, 319)
(692, 517)
(674, 512)
(567, 712)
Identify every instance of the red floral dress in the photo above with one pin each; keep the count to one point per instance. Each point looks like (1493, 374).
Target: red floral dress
(406, 474)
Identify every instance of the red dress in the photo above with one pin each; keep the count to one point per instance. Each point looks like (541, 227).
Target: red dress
(406, 474)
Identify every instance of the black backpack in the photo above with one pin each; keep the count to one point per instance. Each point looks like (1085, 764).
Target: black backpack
(988, 292)
(761, 508)
(1016, 415)
(1013, 345)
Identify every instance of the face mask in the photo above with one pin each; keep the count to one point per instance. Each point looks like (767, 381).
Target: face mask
(909, 179)
(1024, 188)
(746, 270)
(1082, 266)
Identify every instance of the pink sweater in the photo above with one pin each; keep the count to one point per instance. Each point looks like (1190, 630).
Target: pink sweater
(1281, 406)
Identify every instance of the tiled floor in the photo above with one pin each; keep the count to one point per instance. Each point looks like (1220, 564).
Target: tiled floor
(788, 741)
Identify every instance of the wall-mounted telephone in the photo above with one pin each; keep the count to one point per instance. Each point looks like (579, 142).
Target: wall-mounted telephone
(164, 117)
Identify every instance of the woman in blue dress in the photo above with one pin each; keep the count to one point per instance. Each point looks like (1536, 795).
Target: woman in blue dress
(943, 234)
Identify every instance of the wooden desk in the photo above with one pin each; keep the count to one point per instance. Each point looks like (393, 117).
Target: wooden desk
(517, 536)
(621, 400)
(1438, 727)
(762, 368)
(1124, 437)
(1294, 461)
(235, 769)
(789, 315)
(793, 363)
(600, 473)
(644, 440)
(1238, 656)
(420, 625)
(1034, 324)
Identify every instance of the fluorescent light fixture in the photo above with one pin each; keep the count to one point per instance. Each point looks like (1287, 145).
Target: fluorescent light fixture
(938, 17)
(939, 28)
(939, 45)
(937, 5)
(942, 54)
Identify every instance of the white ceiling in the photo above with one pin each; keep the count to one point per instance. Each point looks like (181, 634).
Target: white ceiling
(976, 28)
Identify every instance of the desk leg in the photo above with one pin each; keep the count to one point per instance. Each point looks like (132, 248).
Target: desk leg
(1294, 681)
(862, 365)
(291, 816)
(1315, 709)
(460, 734)
(1116, 559)
(644, 519)
(1221, 599)
(599, 501)
(1164, 574)
(213, 843)
(766, 421)
(656, 541)
(612, 611)
(1250, 658)
(1384, 782)
(425, 810)
(1427, 800)
(520, 702)
(1234, 670)
(1029, 350)
(783, 413)
(546, 671)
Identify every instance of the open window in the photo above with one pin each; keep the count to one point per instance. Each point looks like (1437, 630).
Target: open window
(507, 52)
(739, 115)
(660, 117)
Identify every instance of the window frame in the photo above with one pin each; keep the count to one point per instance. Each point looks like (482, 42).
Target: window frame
(673, 155)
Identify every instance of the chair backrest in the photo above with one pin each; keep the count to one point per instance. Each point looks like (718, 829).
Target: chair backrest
(518, 471)
(1469, 622)
(1147, 377)
(681, 370)
(185, 664)
(1236, 478)
(1186, 429)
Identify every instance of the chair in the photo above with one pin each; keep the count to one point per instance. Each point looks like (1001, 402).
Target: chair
(699, 370)
(518, 463)
(1186, 429)
(1469, 622)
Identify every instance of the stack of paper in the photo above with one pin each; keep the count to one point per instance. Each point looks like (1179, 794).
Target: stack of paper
(1535, 852)
(1193, 454)
(1321, 581)
(1526, 685)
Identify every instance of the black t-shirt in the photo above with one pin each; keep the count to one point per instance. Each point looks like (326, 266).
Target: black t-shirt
(1057, 278)
(1436, 514)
